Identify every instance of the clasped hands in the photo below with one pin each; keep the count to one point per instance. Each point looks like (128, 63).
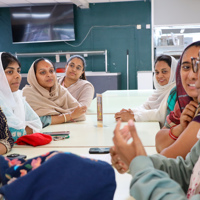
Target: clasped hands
(124, 115)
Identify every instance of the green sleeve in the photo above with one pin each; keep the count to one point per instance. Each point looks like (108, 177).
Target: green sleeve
(46, 120)
(157, 177)
(171, 101)
(178, 169)
(150, 183)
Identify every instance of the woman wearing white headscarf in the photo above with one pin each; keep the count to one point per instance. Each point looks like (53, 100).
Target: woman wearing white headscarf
(20, 116)
(155, 108)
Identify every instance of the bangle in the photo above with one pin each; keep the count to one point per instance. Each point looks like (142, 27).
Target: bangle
(65, 118)
(171, 134)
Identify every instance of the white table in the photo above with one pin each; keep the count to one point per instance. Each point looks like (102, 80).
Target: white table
(115, 100)
(87, 134)
(128, 93)
(31, 152)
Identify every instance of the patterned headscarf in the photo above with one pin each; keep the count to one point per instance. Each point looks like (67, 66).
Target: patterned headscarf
(182, 97)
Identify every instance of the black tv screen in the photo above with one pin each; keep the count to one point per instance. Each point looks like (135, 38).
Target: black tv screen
(50, 23)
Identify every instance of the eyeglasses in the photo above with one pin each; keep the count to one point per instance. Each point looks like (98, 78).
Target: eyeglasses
(195, 63)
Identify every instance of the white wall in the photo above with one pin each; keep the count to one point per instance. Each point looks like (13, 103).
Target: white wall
(176, 12)
(145, 80)
(173, 12)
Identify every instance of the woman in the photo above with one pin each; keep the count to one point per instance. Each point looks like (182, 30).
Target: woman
(6, 140)
(75, 80)
(20, 116)
(57, 175)
(156, 177)
(182, 124)
(156, 107)
(52, 102)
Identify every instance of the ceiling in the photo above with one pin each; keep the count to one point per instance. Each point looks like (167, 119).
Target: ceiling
(79, 3)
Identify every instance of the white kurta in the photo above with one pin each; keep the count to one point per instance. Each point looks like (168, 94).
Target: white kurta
(155, 108)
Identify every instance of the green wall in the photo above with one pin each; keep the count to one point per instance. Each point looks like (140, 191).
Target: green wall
(112, 26)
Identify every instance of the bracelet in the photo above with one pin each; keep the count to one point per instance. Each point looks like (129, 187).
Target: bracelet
(171, 134)
(65, 118)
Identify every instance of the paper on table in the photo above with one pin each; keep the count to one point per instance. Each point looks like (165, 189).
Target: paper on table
(103, 157)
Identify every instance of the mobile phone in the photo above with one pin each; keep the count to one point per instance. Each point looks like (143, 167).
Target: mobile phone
(59, 137)
(15, 156)
(99, 150)
(57, 133)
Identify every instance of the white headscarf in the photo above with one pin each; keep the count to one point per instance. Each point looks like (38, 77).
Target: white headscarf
(5, 88)
(161, 91)
(14, 106)
(155, 108)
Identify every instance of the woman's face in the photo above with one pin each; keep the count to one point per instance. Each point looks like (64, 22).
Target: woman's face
(162, 72)
(74, 69)
(188, 77)
(45, 74)
(13, 76)
(197, 84)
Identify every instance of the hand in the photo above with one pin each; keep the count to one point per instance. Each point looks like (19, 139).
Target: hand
(115, 159)
(123, 110)
(126, 151)
(124, 115)
(28, 130)
(78, 111)
(125, 133)
(188, 114)
(119, 165)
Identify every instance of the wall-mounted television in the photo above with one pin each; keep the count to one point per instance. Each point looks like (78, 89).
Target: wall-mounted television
(49, 23)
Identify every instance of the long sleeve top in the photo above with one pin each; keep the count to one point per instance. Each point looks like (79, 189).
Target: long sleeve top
(157, 177)
(5, 135)
(82, 91)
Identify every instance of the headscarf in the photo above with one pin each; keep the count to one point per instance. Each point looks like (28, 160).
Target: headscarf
(182, 97)
(162, 91)
(5, 88)
(83, 76)
(13, 105)
(43, 102)
(80, 57)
